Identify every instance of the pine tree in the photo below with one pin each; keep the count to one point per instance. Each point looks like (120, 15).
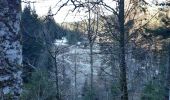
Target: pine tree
(32, 40)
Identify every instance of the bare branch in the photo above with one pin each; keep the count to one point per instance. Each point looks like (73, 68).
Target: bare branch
(131, 35)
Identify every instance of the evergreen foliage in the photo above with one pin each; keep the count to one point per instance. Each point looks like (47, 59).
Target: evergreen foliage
(153, 91)
(40, 87)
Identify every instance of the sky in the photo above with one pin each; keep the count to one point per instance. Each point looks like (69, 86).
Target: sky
(65, 14)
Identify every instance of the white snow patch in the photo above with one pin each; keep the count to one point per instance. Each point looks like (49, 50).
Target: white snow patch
(157, 72)
(62, 41)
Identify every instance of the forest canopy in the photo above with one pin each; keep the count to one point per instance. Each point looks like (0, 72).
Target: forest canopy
(85, 50)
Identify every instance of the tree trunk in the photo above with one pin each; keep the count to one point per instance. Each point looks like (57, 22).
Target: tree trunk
(91, 76)
(75, 75)
(90, 38)
(10, 50)
(56, 75)
(65, 88)
(167, 85)
(123, 66)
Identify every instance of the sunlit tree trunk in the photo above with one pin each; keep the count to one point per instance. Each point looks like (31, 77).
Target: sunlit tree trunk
(10, 50)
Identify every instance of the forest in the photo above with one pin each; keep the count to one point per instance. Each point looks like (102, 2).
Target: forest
(93, 50)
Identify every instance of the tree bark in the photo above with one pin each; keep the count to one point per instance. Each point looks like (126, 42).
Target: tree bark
(90, 38)
(56, 75)
(91, 76)
(167, 81)
(75, 75)
(123, 66)
(10, 50)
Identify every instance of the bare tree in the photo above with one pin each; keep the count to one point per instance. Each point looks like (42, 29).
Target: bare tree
(123, 67)
(126, 18)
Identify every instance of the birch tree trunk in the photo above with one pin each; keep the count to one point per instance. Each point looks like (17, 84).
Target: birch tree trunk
(10, 50)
